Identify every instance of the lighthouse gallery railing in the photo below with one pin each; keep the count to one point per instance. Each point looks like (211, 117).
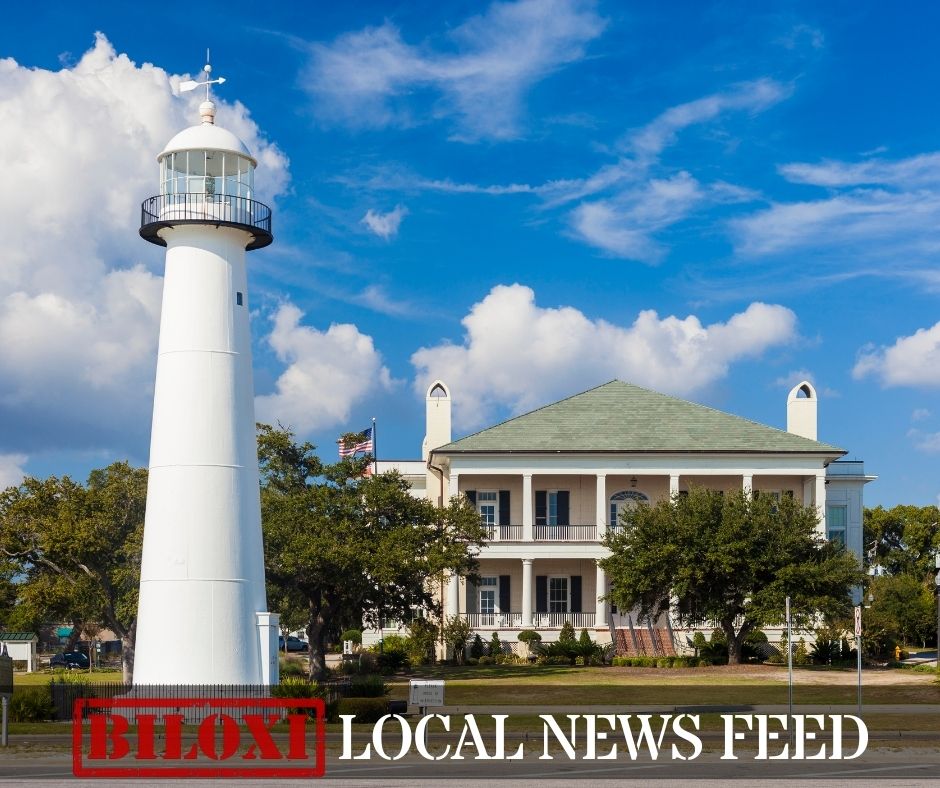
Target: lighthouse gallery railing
(164, 210)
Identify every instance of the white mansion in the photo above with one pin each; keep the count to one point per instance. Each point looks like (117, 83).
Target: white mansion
(551, 482)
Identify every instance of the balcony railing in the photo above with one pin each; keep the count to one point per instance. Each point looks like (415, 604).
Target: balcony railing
(564, 533)
(494, 620)
(539, 620)
(170, 210)
(505, 533)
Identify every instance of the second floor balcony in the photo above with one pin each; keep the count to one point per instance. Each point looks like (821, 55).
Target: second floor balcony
(544, 533)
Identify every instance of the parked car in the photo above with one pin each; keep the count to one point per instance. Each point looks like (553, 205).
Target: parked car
(69, 660)
(293, 644)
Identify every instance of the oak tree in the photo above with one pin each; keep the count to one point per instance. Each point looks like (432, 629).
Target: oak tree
(729, 558)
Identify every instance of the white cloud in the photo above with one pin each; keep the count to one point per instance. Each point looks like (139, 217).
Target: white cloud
(369, 78)
(11, 469)
(756, 96)
(518, 355)
(928, 442)
(920, 414)
(632, 201)
(922, 170)
(78, 310)
(385, 225)
(624, 227)
(874, 209)
(328, 372)
(910, 361)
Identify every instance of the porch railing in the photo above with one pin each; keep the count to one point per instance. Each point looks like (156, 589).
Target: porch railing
(495, 620)
(564, 533)
(505, 533)
(557, 620)
(539, 620)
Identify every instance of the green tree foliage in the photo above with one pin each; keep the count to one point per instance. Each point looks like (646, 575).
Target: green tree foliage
(729, 558)
(903, 610)
(353, 546)
(496, 645)
(77, 549)
(477, 647)
(456, 634)
(567, 633)
(903, 540)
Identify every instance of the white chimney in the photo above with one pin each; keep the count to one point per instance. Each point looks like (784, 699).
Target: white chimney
(437, 418)
(801, 410)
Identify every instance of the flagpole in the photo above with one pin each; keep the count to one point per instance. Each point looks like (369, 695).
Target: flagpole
(375, 451)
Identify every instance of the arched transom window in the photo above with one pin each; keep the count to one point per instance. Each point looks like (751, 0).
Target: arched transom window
(624, 501)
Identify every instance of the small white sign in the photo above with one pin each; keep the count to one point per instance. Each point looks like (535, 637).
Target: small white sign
(347, 646)
(426, 693)
(858, 621)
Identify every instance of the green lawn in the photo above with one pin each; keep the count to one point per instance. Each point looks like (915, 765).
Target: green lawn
(45, 676)
(557, 686)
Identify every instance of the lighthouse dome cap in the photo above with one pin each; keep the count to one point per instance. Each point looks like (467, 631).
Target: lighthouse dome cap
(207, 136)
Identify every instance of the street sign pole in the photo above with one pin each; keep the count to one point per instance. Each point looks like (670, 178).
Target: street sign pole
(789, 665)
(858, 653)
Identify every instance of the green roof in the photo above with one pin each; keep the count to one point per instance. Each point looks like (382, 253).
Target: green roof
(11, 636)
(621, 417)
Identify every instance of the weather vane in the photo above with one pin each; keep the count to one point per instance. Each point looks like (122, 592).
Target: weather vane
(191, 84)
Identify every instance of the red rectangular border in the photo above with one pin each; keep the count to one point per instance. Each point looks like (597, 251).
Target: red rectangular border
(79, 770)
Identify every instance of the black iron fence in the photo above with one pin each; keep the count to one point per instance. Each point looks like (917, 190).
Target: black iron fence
(167, 210)
(65, 693)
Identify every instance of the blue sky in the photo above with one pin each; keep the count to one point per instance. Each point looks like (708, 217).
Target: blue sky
(527, 199)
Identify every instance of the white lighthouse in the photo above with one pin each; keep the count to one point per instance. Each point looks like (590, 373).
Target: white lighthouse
(202, 615)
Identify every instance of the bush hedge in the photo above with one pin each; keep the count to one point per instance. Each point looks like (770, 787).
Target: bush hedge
(365, 709)
(661, 662)
(32, 705)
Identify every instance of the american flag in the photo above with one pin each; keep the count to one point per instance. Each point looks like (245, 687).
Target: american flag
(362, 442)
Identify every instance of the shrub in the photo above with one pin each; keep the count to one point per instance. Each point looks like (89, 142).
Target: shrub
(456, 633)
(557, 660)
(354, 635)
(664, 662)
(389, 662)
(473, 661)
(422, 641)
(579, 662)
(567, 633)
(801, 655)
(476, 647)
(486, 660)
(531, 639)
(824, 651)
(31, 705)
(290, 668)
(496, 645)
(370, 686)
(365, 709)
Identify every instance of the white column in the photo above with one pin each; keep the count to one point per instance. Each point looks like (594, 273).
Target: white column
(600, 615)
(601, 505)
(673, 485)
(747, 482)
(268, 630)
(527, 507)
(453, 484)
(527, 581)
(808, 491)
(453, 596)
(820, 500)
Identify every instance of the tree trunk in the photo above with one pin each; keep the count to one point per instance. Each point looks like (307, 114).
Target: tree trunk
(735, 640)
(316, 634)
(127, 654)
